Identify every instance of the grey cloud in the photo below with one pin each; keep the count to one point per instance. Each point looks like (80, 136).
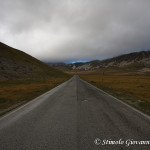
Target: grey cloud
(62, 30)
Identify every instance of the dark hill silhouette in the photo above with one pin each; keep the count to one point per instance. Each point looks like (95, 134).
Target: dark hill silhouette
(17, 64)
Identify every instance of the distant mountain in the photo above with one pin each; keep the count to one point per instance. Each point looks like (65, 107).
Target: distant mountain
(56, 64)
(137, 58)
(60, 66)
(17, 64)
(132, 60)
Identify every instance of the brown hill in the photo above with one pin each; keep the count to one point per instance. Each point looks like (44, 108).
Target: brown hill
(17, 64)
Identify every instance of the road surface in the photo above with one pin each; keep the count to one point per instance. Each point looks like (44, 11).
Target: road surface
(71, 117)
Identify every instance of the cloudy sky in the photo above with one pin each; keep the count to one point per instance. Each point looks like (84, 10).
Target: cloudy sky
(70, 30)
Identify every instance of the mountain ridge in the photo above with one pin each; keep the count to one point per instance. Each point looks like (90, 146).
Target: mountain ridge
(136, 59)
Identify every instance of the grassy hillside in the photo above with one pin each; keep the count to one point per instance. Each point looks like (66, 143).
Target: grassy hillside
(17, 64)
(23, 77)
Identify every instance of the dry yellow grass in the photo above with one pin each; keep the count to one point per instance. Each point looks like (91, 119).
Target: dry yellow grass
(134, 90)
(138, 86)
(20, 91)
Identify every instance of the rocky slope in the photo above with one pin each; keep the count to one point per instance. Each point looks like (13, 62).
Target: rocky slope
(136, 59)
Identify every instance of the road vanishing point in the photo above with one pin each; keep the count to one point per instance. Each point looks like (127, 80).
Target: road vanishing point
(74, 116)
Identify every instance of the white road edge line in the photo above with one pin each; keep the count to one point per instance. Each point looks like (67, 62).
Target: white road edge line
(52, 91)
(138, 111)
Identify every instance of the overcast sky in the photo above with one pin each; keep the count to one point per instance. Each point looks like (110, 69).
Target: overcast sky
(69, 30)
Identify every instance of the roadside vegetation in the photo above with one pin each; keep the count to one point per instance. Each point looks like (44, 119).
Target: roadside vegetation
(132, 89)
(14, 93)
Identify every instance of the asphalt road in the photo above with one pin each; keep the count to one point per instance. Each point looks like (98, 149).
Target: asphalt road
(71, 117)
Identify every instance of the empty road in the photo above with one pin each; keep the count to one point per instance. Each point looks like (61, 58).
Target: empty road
(70, 117)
